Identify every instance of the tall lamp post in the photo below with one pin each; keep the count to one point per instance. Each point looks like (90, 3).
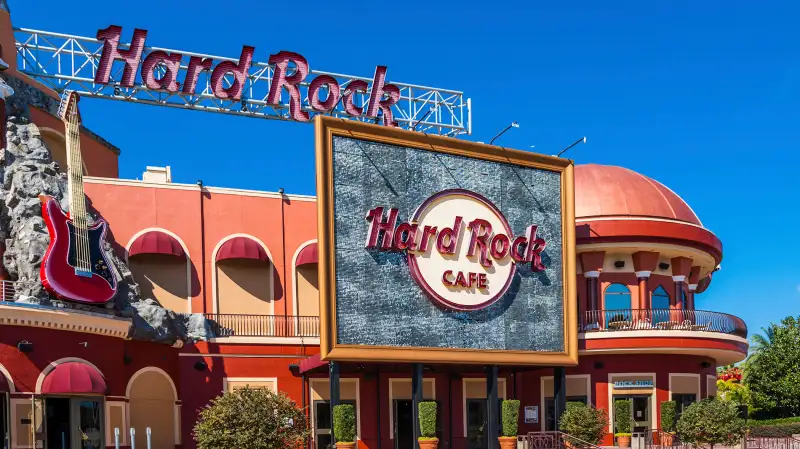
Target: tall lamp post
(512, 125)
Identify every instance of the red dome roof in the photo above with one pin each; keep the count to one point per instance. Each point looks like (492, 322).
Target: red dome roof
(606, 191)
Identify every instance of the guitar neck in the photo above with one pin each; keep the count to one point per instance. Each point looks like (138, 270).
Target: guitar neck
(77, 203)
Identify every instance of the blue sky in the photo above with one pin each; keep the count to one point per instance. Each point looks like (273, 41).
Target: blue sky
(702, 96)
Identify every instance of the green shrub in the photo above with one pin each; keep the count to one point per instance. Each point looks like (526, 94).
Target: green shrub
(510, 417)
(780, 430)
(586, 424)
(427, 419)
(622, 417)
(344, 423)
(710, 422)
(251, 419)
(770, 422)
(669, 410)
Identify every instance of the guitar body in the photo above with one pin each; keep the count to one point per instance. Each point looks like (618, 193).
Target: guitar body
(59, 272)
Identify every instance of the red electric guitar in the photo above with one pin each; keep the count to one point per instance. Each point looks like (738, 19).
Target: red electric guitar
(75, 267)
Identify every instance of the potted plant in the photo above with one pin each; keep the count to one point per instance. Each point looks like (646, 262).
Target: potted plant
(427, 425)
(510, 421)
(344, 426)
(668, 421)
(622, 421)
(584, 424)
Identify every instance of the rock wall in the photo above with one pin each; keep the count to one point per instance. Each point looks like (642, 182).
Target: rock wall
(27, 170)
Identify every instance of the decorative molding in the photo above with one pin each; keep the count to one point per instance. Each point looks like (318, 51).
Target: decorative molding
(591, 274)
(692, 287)
(680, 278)
(662, 334)
(643, 274)
(267, 340)
(195, 187)
(65, 320)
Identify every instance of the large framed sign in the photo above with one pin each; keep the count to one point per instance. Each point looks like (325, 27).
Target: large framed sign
(438, 250)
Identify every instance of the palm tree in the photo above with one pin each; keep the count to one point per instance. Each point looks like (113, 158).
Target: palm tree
(761, 342)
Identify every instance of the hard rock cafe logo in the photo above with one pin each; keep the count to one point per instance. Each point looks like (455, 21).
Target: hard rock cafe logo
(476, 254)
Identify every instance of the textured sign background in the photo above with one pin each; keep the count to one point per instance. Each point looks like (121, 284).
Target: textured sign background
(377, 301)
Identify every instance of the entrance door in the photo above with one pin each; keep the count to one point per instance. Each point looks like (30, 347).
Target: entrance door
(404, 424)
(640, 412)
(57, 423)
(477, 431)
(4, 420)
(74, 423)
(87, 418)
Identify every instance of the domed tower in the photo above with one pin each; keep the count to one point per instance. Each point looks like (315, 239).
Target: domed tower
(643, 255)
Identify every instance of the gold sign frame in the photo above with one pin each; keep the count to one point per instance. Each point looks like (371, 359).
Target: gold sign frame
(327, 127)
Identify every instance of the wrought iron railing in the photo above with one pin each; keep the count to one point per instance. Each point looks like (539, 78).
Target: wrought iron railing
(552, 440)
(240, 325)
(8, 290)
(661, 319)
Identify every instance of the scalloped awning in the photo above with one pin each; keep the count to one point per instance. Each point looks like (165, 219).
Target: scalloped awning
(74, 378)
(308, 255)
(242, 248)
(156, 242)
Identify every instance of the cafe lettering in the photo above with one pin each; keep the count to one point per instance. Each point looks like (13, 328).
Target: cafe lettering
(473, 250)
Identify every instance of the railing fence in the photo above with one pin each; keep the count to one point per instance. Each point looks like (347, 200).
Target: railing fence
(661, 319)
(245, 325)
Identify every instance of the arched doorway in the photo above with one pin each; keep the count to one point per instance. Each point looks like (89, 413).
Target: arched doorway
(152, 398)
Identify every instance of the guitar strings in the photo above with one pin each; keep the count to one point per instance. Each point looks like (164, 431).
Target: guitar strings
(77, 203)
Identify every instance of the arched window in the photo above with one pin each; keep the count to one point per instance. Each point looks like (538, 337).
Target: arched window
(617, 299)
(660, 298)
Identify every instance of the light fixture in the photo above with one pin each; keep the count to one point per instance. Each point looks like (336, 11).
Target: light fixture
(663, 265)
(25, 347)
(583, 140)
(200, 366)
(513, 124)
(598, 365)
(619, 264)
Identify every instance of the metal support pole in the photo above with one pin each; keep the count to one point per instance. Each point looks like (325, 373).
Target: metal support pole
(416, 397)
(116, 437)
(133, 438)
(149, 435)
(492, 407)
(560, 392)
(333, 375)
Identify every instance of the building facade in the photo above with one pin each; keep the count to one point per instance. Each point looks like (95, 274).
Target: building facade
(247, 261)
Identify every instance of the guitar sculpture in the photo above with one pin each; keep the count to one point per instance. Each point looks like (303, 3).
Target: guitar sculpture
(75, 267)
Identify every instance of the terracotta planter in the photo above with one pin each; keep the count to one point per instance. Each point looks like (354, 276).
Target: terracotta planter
(624, 441)
(428, 444)
(666, 439)
(508, 442)
(340, 445)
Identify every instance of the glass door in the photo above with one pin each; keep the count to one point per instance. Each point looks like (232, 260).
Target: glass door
(404, 424)
(87, 419)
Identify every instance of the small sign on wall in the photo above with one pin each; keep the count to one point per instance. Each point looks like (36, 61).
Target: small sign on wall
(620, 384)
(531, 414)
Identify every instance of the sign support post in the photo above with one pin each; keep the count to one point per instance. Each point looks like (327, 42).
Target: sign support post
(416, 397)
(492, 408)
(333, 376)
(559, 392)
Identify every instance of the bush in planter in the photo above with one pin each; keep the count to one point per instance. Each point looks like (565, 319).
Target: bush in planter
(585, 423)
(344, 423)
(710, 422)
(622, 418)
(251, 419)
(510, 418)
(427, 420)
(669, 410)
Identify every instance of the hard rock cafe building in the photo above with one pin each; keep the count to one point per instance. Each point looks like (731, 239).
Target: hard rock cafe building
(248, 260)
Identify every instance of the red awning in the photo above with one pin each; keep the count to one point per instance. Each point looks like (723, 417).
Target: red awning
(308, 255)
(242, 248)
(156, 242)
(74, 377)
(311, 363)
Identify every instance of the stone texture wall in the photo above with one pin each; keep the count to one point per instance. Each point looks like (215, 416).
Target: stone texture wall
(28, 170)
(378, 303)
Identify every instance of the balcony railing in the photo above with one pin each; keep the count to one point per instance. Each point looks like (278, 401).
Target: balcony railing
(230, 325)
(661, 319)
(8, 291)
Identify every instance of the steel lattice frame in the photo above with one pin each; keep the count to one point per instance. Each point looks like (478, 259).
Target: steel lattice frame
(62, 61)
